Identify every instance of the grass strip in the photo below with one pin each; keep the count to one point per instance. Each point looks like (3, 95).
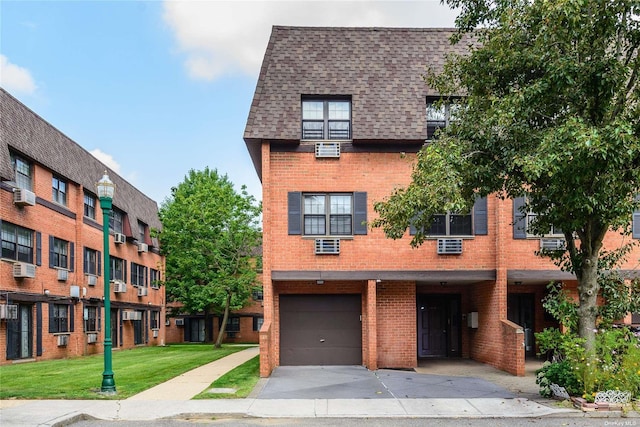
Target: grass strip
(242, 378)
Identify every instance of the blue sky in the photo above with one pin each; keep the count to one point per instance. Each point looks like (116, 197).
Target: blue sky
(156, 88)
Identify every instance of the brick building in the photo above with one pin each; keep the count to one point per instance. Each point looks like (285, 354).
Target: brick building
(51, 266)
(337, 118)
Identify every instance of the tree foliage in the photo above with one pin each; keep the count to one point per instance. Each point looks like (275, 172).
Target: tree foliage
(209, 236)
(550, 110)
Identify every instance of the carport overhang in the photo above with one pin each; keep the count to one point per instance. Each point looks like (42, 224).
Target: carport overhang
(422, 277)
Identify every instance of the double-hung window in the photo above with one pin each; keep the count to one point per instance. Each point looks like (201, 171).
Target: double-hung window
(451, 224)
(116, 221)
(154, 278)
(92, 262)
(17, 243)
(59, 190)
(89, 206)
(58, 318)
(118, 269)
(22, 172)
(138, 275)
(328, 214)
(58, 253)
(440, 114)
(154, 321)
(142, 232)
(553, 231)
(91, 321)
(326, 119)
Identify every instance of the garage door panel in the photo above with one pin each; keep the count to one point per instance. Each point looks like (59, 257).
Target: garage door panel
(320, 330)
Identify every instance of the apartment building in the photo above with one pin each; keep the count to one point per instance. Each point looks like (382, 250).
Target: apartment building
(52, 266)
(336, 121)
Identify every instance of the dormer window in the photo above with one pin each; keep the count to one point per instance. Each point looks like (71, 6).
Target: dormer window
(440, 113)
(326, 119)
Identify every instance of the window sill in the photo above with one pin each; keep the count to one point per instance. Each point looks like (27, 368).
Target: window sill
(344, 237)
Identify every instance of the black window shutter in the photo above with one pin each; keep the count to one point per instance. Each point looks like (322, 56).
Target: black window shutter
(38, 248)
(99, 316)
(480, 217)
(635, 225)
(51, 252)
(72, 256)
(52, 328)
(39, 329)
(359, 213)
(124, 271)
(99, 263)
(72, 309)
(519, 219)
(85, 261)
(294, 201)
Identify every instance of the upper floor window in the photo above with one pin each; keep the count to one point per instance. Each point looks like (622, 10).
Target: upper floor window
(328, 214)
(142, 232)
(58, 252)
(154, 278)
(89, 206)
(92, 261)
(451, 224)
(59, 190)
(22, 172)
(439, 114)
(118, 269)
(523, 220)
(116, 221)
(17, 243)
(138, 275)
(326, 119)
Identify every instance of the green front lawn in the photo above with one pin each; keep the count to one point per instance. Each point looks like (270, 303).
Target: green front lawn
(134, 370)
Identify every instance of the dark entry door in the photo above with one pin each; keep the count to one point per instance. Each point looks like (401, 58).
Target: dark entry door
(438, 325)
(521, 310)
(19, 334)
(320, 330)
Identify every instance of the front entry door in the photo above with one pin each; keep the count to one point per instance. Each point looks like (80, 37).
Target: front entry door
(521, 310)
(19, 334)
(438, 325)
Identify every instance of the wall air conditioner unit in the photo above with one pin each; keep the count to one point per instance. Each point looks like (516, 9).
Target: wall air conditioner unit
(143, 247)
(327, 149)
(119, 238)
(119, 286)
(327, 246)
(22, 197)
(449, 246)
(22, 269)
(63, 340)
(8, 311)
(63, 275)
(179, 322)
(552, 244)
(92, 280)
(155, 333)
(92, 338)
(143, 292)
(127, 315)
(136, 315)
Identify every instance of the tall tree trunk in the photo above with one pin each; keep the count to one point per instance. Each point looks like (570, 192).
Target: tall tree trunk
(225, 317)
(588, 289)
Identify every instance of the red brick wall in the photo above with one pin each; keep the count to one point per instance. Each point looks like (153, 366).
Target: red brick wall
(396, 318)
(31, 291)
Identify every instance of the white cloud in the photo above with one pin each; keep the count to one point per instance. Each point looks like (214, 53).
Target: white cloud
(15, 78)
(107, 159)
(227, 37)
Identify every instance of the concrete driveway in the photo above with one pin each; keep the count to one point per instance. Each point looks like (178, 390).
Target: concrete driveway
(357, 382)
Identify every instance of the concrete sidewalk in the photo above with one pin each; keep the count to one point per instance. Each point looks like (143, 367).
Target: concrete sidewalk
(194, 382)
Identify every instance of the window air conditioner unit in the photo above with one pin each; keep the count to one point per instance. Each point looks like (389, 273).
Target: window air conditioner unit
(127, 315)
(552, 244)
(179, 322)
(136, 315)
(143, 292)
(8, 311)
(327, 246)
(63, 340)
(327, 149)
(63, 275)
(92, 338)
(449, 246)
(22, 269)
(119, 286)
(92, 280)
(22, 197)
(143, 247)
(155, 333)
(119, 238)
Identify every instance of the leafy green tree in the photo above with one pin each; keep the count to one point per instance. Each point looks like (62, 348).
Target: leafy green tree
(550, 111)
(209, 236)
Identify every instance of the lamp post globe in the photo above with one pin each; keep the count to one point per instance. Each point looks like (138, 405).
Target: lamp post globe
(106, 189)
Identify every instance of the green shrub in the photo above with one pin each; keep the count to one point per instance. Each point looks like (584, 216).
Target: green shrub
(560, 373)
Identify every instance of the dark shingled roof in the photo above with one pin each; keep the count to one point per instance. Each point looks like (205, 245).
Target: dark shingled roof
(380, 68)
(24, 131)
